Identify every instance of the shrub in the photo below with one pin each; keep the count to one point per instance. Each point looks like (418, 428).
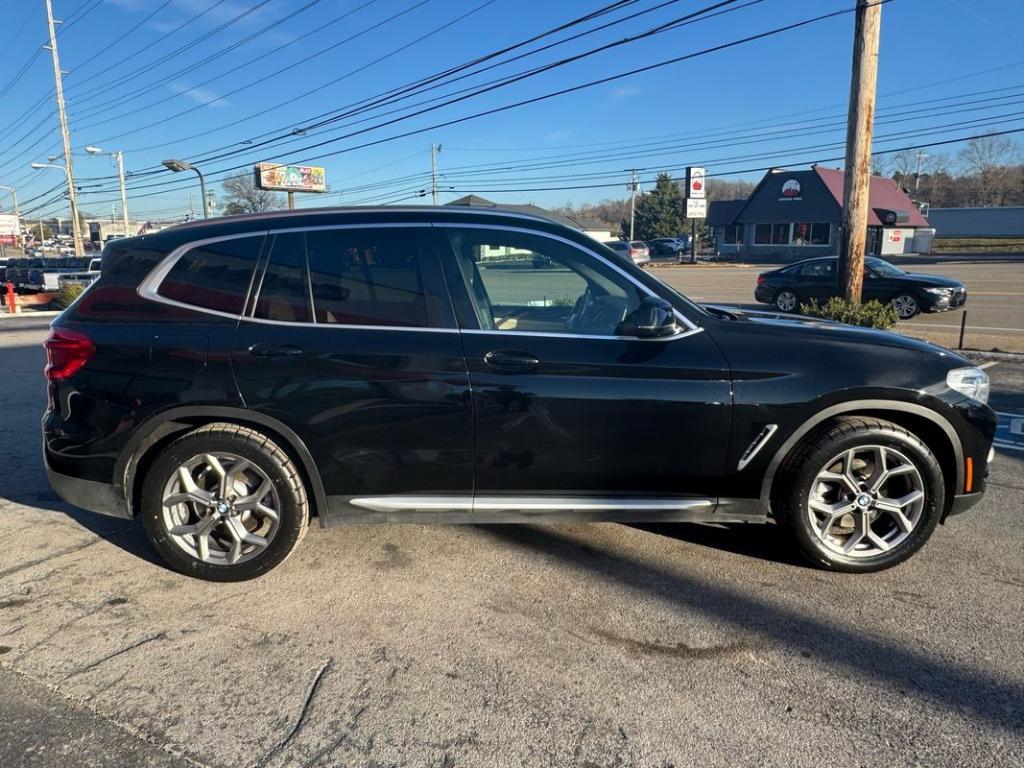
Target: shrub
(870, 315)
(66, 294)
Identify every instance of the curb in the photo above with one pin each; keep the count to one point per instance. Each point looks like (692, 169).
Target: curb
(1001, 357)
(4, 315)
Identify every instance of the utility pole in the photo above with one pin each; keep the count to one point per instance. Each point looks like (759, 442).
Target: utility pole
(434, 149)
(124, 196)
(632, 202)
(917, 174)
(859, 124)
(69, 170)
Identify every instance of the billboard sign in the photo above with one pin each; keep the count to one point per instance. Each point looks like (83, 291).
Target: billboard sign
(695, 183)
(10, 229)
(290, 178)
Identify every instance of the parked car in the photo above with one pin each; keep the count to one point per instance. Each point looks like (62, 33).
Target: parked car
(665, 246)
(909, 293)
(635, 251)
(228, 380)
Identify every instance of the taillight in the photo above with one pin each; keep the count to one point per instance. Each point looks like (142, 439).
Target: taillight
(760, 279)
(66, 352)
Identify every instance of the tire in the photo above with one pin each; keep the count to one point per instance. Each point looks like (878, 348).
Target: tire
(850, 446)
(222, 526)
(906, 305)
(786, 301)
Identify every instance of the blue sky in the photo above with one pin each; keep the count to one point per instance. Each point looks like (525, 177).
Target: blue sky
(947, 68)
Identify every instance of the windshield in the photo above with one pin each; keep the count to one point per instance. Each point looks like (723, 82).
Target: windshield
(884, 268)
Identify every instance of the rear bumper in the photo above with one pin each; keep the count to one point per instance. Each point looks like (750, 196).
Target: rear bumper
(90, 495)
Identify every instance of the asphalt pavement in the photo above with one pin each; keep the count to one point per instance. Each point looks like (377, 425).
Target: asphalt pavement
(535, 645)
(994, 309)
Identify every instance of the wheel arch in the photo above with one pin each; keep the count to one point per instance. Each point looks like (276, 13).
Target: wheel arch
(153, 435)
(937, 433)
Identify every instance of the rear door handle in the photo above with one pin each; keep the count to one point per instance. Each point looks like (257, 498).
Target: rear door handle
(273, 352)
(511, 361)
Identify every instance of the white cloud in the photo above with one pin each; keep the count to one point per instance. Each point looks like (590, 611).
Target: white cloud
(200, 95)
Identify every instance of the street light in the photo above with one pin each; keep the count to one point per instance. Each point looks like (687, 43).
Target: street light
(120, 177)
(180, 165)
(76, 225)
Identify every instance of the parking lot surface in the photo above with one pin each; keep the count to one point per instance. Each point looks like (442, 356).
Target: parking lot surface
(995, 297)
(537, 645)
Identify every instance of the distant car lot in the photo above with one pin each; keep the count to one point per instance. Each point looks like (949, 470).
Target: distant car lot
(491, 645)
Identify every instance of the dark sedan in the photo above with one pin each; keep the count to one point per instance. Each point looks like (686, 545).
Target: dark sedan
(909, 293)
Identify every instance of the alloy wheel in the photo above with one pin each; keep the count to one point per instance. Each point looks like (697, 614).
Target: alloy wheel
(905, 306)
(866, 501)
(220, 508)
(786, 301)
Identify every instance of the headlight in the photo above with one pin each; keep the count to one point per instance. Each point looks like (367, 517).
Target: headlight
(972, 382)
(938, 291)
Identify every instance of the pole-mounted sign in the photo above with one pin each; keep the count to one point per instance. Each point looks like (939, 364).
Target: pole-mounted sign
(290, 179)
(695, 183)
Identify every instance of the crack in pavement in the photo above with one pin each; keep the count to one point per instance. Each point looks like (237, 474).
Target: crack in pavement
(61, 553)
(300, 721)
(118, 652)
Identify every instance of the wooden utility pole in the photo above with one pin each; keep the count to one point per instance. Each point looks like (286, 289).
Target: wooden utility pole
(632, 202)
(434, 149)
(859, 124)
(69, 171)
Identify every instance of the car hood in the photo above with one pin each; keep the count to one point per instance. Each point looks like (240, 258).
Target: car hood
(807, 328)
(933, 281)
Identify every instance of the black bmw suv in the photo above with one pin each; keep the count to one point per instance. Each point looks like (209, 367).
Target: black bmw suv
(228, 380)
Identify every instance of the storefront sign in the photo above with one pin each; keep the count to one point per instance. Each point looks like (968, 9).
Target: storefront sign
(695, 186)
(791, 190)
(290, 178)
(696, 209)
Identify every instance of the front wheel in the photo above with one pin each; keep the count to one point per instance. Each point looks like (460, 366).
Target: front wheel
(861, 495)
(786, 301)
(906, 305)
(224, 503)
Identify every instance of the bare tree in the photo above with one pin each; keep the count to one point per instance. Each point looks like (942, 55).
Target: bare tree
(243, 196)
(990, 160)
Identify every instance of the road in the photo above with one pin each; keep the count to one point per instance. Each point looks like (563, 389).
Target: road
(995, 299)
(539, 645)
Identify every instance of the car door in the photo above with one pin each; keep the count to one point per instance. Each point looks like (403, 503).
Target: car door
(818, 280)
(349, 339)
(565, 407)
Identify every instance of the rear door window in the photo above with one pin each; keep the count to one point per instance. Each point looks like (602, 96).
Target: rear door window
(214, 276)
(284, 291)
(367, 277)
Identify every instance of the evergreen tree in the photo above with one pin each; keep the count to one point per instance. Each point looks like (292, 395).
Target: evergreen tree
(660, 212)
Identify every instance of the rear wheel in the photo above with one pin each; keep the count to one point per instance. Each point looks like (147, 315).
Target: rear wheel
(861, 495)
(224, 503)
(786, 301)
(906, 305)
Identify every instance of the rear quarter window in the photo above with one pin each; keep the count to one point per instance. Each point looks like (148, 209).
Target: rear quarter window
(215, 275)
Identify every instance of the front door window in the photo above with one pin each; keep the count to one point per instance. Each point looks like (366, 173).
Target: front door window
(525, 282)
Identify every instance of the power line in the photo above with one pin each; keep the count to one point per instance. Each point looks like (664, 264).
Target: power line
(595, 14)
(144, 90)
(290, 138)
(523, 102)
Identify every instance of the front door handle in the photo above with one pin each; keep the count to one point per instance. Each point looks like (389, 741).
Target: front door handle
(274, 352)
(510, 361)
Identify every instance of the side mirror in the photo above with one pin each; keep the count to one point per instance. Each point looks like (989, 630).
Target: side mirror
(652, 319)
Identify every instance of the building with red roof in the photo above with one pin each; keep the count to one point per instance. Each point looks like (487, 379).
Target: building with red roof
(798, 214)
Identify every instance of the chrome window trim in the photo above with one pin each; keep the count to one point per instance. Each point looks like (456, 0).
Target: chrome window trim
(346, 326)
(148, 287)
(691, 328)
